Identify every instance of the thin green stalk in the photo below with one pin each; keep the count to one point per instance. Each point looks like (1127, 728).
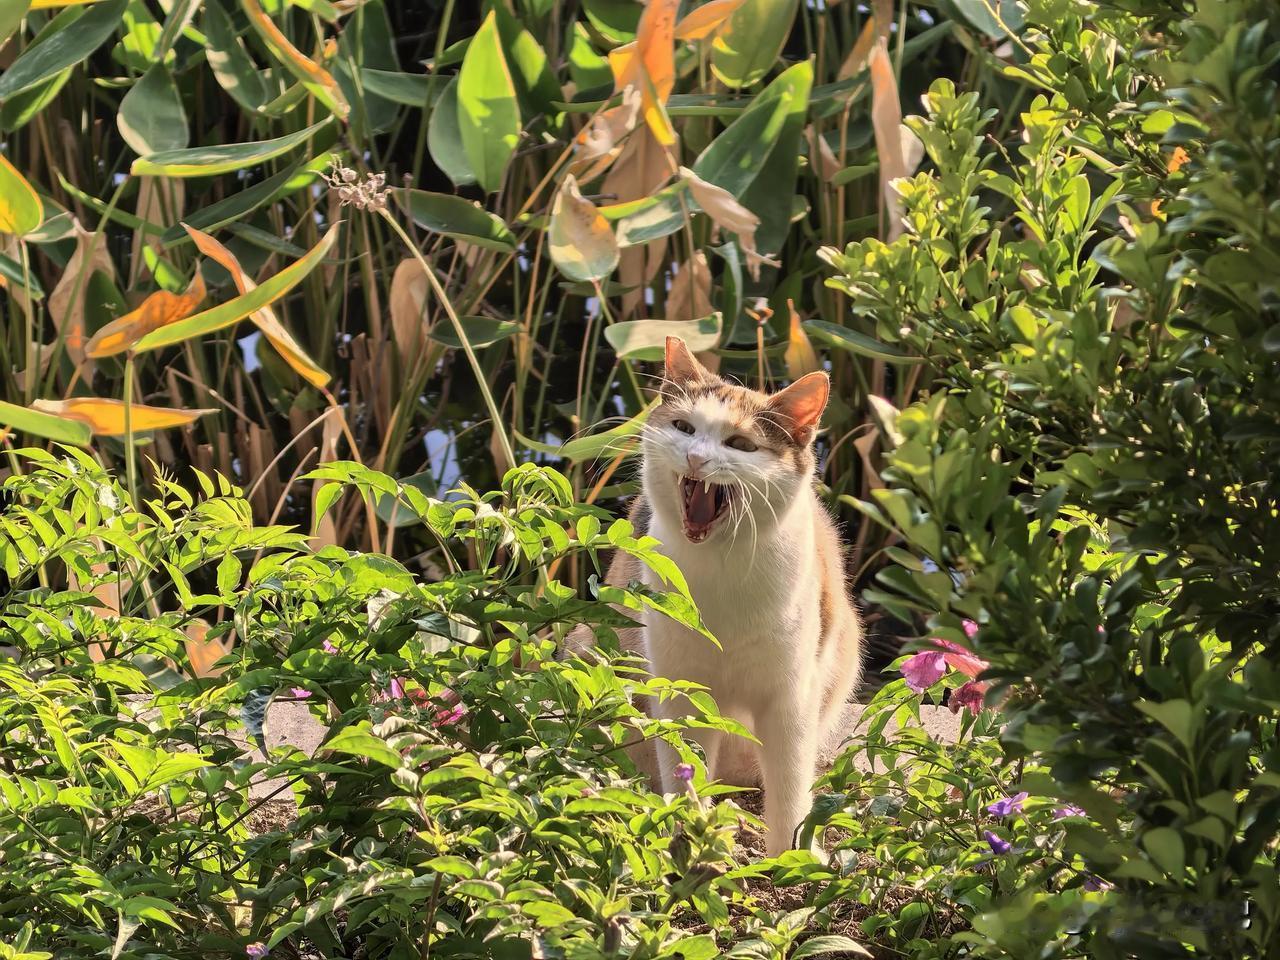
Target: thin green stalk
(438, 289)
(130, 454)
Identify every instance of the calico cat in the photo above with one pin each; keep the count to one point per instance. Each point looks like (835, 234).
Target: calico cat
(728, 488)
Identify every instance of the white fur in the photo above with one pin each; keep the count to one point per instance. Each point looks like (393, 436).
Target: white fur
(755, 580)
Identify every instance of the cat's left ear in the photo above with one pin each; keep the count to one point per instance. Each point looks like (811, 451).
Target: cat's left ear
(798, 408)
(682, 369)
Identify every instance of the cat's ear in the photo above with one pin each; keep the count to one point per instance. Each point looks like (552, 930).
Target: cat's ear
(798, 408)
(682, 368)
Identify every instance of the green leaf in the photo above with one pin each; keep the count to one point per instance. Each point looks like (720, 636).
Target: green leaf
(837, 336)
(444, 138)
(359, 741)
(44, 424)
(207, 161)
(488, 114)
(458, 218)
(774, 121)
(412, 89)
(151, 117)
(647, 339)
(831, 943)
(20, 208)
(582, 449)
(230, 62)
(17, 110)
(481, 332)
(76, 35)
(241, 204)
(11, 272)
(752, 38)
(1176, 716)
(11, 14)
(1167, 850)
(236, 309)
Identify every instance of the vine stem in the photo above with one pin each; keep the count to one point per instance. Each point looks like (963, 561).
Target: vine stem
(439, 291)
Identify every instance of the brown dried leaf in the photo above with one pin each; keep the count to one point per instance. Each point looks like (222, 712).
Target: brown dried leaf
(689, 296)
(886, 121)
(66, 302)
(601, 140)
(801, 358)
(408, 304)
(725, 210)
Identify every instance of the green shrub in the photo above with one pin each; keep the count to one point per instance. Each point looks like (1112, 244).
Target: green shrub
(470, 796)
(1091, 474)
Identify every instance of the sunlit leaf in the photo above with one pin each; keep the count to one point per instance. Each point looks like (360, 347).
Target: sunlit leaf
(20, 208)
(264, 317)
(611, 442)
(235, 310)
(71, 43)
(13, 277)
(411, 89)
(46, 425)
(158, 310)
(488, 115)
(458, 218)
(800, 356)
(851, 340)
(582, 243)
(207, 161)
(647, 339)
(748, 45)
(231, 64)
(151, 118)
(106, 418)
(315, 78)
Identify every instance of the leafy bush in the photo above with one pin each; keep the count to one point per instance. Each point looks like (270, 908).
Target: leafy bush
(470, 793)
(1091, 474)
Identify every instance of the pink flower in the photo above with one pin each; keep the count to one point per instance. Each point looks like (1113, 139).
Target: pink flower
(328, 647)
(960, 658)
(396, 689)
(300, 693)
(970, 628)
(449, 715)
(923, 670)
(1007, 805)
(998, 847)
(256, 951)
(972, 695)
(1070, 810)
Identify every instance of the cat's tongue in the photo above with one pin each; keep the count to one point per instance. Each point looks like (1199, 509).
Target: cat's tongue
(702, 504)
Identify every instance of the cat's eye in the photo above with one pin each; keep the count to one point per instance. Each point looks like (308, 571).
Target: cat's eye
(684, 426)
(741, 443)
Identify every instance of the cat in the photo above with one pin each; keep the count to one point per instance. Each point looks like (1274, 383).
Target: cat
(728, 489)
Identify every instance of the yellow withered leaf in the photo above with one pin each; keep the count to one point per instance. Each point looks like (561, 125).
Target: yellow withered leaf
(314, 77)
(601, 140)
(159, 310)
(649, 64)
(106, 418)
(722, 207)
(265, 318)
(582, 242)
(800, 356)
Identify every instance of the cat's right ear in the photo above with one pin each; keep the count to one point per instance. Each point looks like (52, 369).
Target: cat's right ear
(682, 368)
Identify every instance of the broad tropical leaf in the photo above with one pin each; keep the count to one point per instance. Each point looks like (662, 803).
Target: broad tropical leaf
(488, 115)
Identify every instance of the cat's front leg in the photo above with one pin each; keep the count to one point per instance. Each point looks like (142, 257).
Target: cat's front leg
(789, 749)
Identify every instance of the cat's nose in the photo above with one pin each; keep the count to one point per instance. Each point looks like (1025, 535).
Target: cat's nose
(696, 463)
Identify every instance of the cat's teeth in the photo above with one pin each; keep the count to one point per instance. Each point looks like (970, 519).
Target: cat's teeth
(706, 486)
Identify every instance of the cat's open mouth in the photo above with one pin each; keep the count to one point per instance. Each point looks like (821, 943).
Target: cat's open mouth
(703, 504)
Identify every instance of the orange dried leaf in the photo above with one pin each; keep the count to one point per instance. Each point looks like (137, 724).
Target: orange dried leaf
(722, 207)
(649, 64)
(265, 318)
(159, 310)
(886, 122)
(106, 418)
(703, 22)
(601, 140)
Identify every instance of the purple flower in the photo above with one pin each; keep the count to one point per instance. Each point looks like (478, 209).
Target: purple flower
(972, 695)
(923, 670)
(998, 847)
(256, 951)
(1007, 805)
(1095, 883)
(396, 689)
(1070, 810)
(328, 647)
(684, 772)
(970, 628)
(446, 716)
(300, 693)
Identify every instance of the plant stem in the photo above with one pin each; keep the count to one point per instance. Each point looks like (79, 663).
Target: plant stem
(130, 454)
(461, 332)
